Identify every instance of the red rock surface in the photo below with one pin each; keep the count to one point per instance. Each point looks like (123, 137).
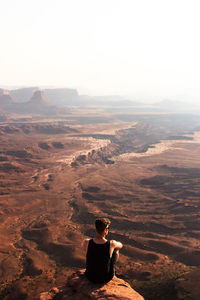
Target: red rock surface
(78, 287)
(48, 207)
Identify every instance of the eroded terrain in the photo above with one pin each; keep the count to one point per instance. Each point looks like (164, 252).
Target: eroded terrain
(57, 177)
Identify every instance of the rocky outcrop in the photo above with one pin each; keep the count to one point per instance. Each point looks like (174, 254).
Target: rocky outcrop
(78, 287)
(5, 98)
(93, 157)
(38, 98)
(38, 128)
(3, 117)
(56, 96)
(23, 94)
(38, 104)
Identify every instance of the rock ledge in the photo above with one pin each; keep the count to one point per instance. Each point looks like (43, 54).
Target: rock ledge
(78, 287)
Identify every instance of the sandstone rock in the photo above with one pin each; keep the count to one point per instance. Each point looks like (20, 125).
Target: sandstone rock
(5, 98)
(3, 117)
(48, 295)
(22, 94)
(38, 98)
(79, 288)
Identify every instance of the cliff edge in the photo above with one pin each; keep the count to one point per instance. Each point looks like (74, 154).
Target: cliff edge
(78, 287)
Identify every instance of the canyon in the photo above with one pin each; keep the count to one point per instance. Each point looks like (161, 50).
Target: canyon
(60, 171)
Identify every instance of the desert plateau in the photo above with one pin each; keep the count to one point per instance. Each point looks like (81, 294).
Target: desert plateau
(66, 160)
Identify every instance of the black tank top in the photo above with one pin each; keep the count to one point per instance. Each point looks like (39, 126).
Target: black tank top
(99, 268)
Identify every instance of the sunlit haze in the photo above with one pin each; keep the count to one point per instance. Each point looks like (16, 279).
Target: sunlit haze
(146, 49)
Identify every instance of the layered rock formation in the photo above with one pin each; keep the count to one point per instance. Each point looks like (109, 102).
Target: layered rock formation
(5, 98)
(56, 96)
(3, 117)
(62, 96)
(38, 98)
(23, 94)
(78, 287)
(38, 104)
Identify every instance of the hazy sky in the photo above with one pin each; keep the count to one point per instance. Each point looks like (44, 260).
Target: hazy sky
(138, 47)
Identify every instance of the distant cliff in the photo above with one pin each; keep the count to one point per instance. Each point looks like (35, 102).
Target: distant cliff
(36, 104)
(5, 98)
(23, 94)
(3, 117)
(63, 96)
(55, 96)
(38, 98)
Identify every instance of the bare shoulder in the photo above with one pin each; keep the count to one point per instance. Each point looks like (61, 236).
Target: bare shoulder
(85, 243)
(115, 244)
